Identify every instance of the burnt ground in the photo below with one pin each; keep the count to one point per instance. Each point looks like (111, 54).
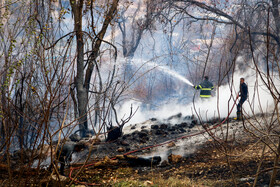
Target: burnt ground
(151, 133)
(207, 166)
(208, 163)
(203, 160)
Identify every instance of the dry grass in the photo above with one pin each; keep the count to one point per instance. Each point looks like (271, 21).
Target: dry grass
(157, 181)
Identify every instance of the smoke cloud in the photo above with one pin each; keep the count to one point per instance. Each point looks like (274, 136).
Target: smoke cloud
(259, 100)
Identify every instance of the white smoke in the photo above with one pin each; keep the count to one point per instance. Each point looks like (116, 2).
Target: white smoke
(259, 100)
(125, 109)
(217, 106)
(225, 95)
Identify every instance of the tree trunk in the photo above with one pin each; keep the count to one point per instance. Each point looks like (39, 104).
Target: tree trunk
(276, 15)
(4, 104)
(82, 80)
(274, 171)
(82, 94)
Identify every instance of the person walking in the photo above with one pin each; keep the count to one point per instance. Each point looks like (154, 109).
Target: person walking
(243, 94)
(205, 88)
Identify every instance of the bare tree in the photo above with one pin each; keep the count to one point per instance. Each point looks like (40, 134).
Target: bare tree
(256, 27)
(133, 26)
(82, 79)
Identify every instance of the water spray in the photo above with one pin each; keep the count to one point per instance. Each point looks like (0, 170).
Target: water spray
(165, 69)
(171, 72)
(176, 75)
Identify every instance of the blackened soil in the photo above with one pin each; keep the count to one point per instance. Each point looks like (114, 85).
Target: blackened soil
(138, 139)
(208, 163)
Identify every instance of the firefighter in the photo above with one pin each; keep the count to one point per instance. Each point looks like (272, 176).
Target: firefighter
(243, 93)
(205, 88)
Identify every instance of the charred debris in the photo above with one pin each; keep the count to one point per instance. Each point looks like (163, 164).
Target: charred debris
(118, 142)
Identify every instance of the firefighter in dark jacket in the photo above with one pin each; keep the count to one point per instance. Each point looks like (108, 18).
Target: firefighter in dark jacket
(205, 88)
(243, 93)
